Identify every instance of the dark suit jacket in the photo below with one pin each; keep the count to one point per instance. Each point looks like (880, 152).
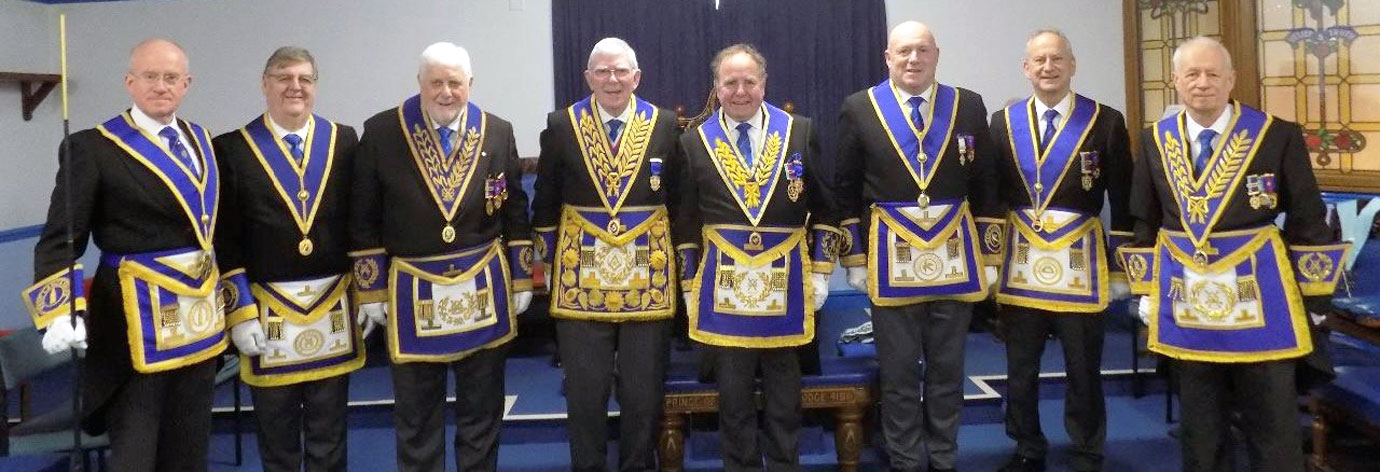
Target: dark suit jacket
(256, 230)
(1109, 138)
(392, 208)
(1282, 153)
(705, 200)
(869, 169)
(128, 209)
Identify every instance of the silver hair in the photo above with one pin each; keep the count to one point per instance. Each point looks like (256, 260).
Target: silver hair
(1053, 31)
(446, 54)
(613, 47)
(1200, 41)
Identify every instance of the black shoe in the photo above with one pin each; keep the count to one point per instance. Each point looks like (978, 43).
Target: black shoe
(1019, 463)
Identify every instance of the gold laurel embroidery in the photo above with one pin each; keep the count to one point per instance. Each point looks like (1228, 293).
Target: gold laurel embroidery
(1196, 206)
(441, 170)
(597, 152)
(751, 181)
(737, 174)
(1230, 164)
(635, 141)
(1178, 165)
(770, 153)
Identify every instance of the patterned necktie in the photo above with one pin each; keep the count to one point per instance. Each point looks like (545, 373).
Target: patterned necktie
(614, 125)
(178, 150)
(446, 135)
(1051, 116)
(1205, 138)
(745, 142)
(917, 118)
(294, 143)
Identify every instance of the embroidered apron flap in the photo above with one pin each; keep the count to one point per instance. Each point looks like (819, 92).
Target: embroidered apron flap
(924, 228)
(451, 294)
(303, 302)
(752, 269)
(175, 314)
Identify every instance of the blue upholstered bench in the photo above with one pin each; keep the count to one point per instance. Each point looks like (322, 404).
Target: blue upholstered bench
(846, 385)
(1352, 398)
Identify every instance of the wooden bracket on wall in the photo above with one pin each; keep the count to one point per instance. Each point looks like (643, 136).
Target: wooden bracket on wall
(33, 88)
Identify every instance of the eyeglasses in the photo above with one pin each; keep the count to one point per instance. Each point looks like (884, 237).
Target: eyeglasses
(288, 79)
(154, 77)
(619, 72)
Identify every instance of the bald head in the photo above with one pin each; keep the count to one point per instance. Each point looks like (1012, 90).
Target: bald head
(156, 47)
(911, 57)
(157, 79)
(909, 30)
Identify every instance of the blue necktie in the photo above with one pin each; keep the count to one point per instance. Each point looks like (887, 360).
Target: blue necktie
(446, 133)
(745, 142)
(294, 143)
(1050, 117)
(916, 117)
(614, 125)
(178, 150)
(1204, 152)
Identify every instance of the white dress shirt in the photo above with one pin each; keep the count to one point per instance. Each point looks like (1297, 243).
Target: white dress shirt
(152, 127)
(454, 125)
(1194, 129)
(281, 132)
(622, 117)
(1062, 108)
(755, 134)
(904, 97)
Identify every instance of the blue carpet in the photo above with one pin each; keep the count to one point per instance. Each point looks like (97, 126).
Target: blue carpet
(534, 437)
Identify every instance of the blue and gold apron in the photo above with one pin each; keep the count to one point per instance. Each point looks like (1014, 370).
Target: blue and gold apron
(173, 309)
(174, 312)
(1223, 296)
(310, 332)
(613, 268)
(1055, 257)
(752, 289)
(449, 306)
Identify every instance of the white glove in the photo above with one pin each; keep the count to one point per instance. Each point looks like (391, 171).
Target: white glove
(687, 296)
(857, 278)
(819, 284)
(1316, 318)
(1143, 310)
(521, 301)
(365, 323)
(993, 283)
(1119, 290)
(249, 338)
(376, 313)
(61, 336)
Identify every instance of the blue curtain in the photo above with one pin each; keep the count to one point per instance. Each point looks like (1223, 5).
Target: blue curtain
(818, 51)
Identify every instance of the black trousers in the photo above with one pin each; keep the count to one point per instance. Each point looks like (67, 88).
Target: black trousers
(589, 352)
(302, 426)
(162, 421)
(1085, 412)
(1265, 395)
(932, 332)
(736, 371)
(419, 411)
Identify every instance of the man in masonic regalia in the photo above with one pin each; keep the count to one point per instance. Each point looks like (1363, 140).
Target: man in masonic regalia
(442, 257)
(1228, 294)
